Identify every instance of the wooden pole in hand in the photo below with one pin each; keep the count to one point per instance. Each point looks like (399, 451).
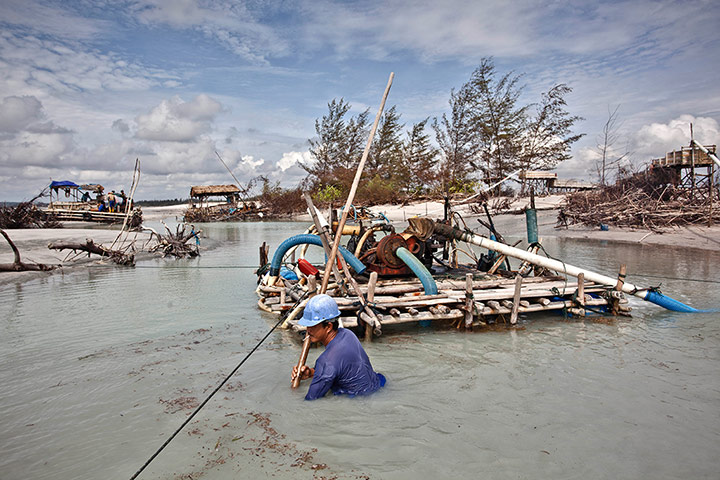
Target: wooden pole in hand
(301, 362)
(341, 224)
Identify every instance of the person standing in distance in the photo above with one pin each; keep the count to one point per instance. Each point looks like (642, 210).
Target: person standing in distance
(343, 367)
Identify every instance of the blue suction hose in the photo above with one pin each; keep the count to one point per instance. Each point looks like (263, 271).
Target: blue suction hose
(670, 303)
(351, 259)
(428, 282)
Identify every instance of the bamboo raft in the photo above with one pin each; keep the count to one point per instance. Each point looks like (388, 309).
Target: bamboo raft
(88, 215)
(492, 299)
(466, 297)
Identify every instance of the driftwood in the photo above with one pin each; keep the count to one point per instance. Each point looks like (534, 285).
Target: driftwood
(20, 266)
(224, 213)
(117, 256)
(639, 201)
(176, 244)
(26, 215)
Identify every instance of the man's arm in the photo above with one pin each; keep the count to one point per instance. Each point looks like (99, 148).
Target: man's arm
(323, 378)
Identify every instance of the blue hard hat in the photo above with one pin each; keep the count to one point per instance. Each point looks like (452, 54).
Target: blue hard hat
(318, 309)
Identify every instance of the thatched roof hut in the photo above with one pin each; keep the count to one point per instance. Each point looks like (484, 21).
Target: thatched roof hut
(201, 191)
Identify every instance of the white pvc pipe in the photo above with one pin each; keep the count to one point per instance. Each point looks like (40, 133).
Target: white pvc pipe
(558, 266)
(712, 156)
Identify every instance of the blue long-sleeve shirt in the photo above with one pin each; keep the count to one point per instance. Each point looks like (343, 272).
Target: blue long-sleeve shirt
(344, 368)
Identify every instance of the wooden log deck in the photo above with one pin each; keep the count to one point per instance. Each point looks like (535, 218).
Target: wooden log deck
(75, 215)
(492, 297)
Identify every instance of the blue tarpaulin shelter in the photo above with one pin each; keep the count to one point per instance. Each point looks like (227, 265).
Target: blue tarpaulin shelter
(63, 184)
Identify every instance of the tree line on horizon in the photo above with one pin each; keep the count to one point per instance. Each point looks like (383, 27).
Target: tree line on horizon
(486, 135)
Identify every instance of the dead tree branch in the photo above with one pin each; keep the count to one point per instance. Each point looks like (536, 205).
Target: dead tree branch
(90, 247)
(176, 244)
(18, 265)
(26, 215)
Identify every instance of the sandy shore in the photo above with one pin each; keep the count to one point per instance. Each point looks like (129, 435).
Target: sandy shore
(706, 238)
(32, 243)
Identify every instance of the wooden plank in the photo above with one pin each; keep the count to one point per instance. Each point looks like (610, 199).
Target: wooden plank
(351, 322)
(537, 307)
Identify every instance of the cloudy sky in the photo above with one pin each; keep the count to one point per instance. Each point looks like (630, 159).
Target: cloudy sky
(88, 86)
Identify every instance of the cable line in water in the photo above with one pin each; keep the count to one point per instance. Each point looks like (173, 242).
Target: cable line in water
(180, 267)
(282, 319)
(677, 278)
(200, 267)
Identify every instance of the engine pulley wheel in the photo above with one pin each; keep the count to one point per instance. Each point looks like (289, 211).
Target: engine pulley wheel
(386, 250)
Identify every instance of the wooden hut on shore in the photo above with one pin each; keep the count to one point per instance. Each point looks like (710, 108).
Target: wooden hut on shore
(220, 203)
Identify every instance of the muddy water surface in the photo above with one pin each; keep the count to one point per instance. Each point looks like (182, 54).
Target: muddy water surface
(100, 366)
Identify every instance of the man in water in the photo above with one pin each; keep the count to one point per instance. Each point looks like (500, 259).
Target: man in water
(343, 367)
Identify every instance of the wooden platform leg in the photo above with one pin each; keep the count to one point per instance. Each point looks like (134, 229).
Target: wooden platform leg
(616, 294)
(580, 296)
(264, 250)
(370, 298)
(516, 300)
(469, 301)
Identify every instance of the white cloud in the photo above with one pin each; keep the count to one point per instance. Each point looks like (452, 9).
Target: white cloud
(44, 18)
(177, 121)
(37, 149)
(650, 141)
(249, 161)
(52, 65)
(231, 24)
(655, 139)
(121, 126)
(16, 113)
(31, 139)
(468, 30)
(291, 159)
(170, 157)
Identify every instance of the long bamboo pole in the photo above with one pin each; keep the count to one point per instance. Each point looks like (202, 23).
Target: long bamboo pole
(343, 219)
(301, 361)
(325, 238)
(353, 189)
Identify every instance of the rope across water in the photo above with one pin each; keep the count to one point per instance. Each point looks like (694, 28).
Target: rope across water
(282, 319)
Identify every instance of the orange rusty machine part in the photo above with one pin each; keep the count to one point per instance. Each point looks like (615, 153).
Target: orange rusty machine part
(383, 259)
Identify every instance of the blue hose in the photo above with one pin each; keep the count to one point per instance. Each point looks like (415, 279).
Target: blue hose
(351, 259)
(669, 303)
(428, 282)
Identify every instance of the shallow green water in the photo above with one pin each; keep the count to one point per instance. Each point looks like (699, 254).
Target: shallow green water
(100, 366)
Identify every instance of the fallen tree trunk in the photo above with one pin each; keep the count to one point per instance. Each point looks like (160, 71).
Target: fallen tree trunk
(20, 266)
(89, 246)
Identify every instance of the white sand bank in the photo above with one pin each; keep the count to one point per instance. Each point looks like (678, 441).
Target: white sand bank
(32, 243)
(697, 237)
